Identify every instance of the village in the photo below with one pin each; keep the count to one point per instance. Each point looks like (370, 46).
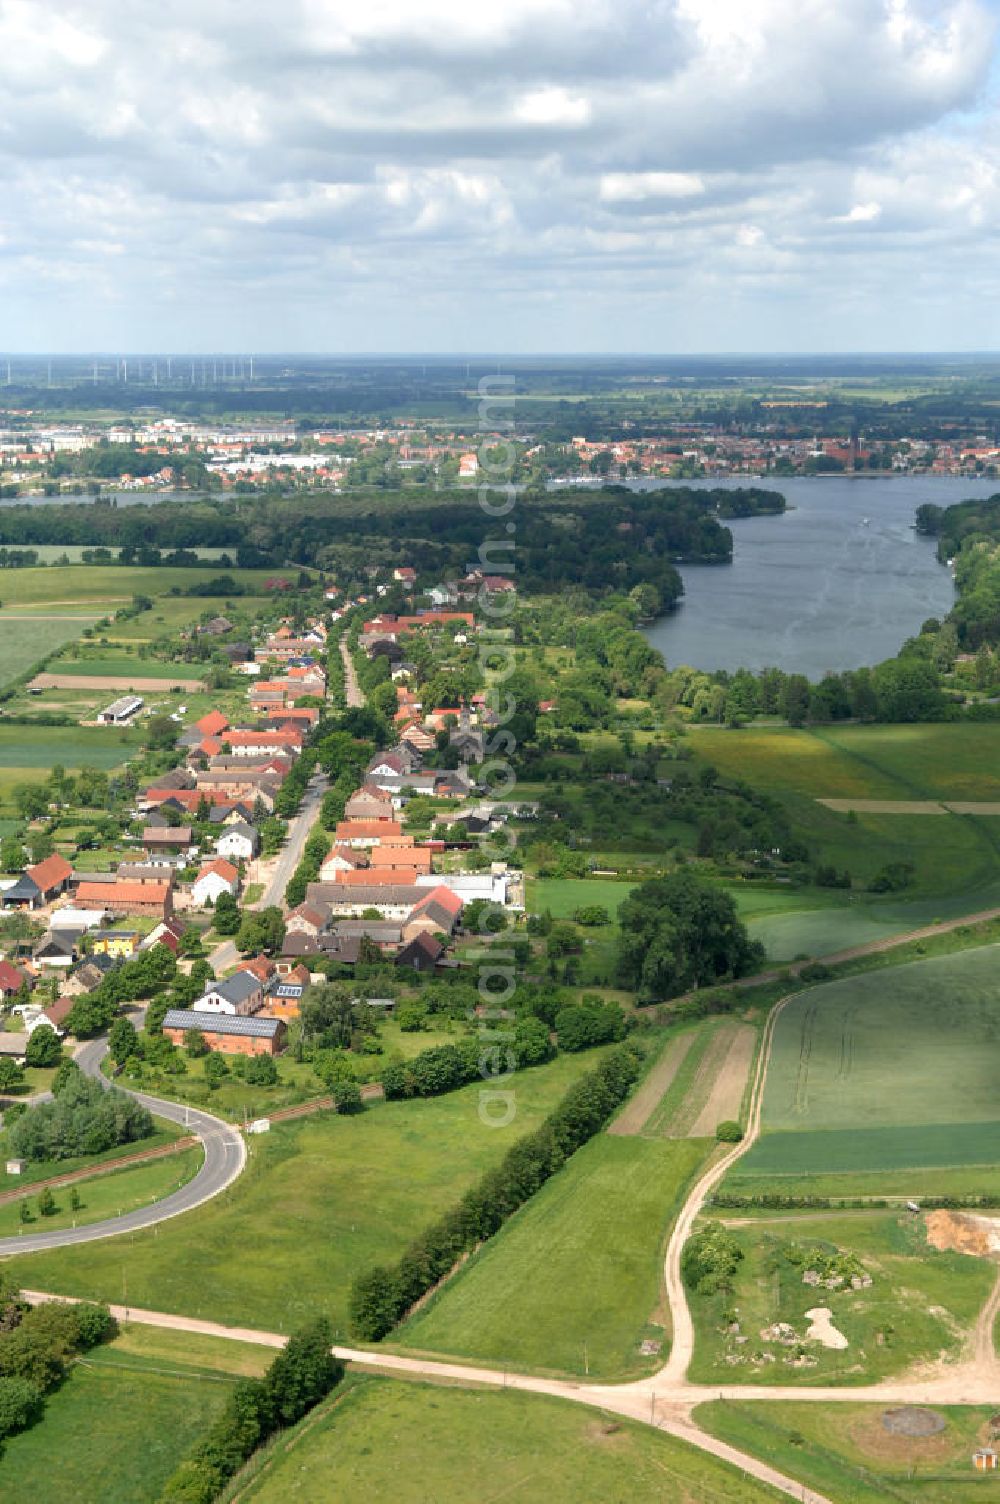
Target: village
(201, 853)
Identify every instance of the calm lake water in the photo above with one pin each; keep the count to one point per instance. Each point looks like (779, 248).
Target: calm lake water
(819, 589)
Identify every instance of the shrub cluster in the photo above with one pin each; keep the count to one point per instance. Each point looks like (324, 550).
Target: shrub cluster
(381, 1296)
(579, 1026)
(445, 1067)
(301, 1375)
(37, 1346)
(710, 1259)
(83, 1118)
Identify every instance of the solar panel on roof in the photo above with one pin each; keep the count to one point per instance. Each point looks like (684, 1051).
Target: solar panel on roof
(208, 1023)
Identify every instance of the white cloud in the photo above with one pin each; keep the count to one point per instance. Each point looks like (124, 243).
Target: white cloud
(552, 106)
(630, 187)
(860, 214)
(391, 174)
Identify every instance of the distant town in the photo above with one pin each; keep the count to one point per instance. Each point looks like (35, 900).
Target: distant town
(40, 457)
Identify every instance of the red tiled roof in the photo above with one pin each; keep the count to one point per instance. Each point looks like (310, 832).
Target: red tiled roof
(108, 894)
(354, 829)
(443, 896)
(53, 870)
(11, 977)
(212, 723)
(222, 867)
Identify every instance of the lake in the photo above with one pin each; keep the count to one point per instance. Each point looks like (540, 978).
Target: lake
(838, 581)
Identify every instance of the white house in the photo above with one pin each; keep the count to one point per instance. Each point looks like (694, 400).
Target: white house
(238, 841)
(214, 879)
(239, 994)
(341, 859)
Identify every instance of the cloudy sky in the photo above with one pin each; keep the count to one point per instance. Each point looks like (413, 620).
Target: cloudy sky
(517, 175)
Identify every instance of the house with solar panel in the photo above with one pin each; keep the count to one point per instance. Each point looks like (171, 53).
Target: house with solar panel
(229, 1034)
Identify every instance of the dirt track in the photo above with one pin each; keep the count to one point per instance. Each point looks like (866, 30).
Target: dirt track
(638, 1109)
(114, 685)
(912, 806)
(726, 1096)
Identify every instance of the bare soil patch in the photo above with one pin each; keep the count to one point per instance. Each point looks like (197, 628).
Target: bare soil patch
(113, 685)
(961, 1232)
(640, 1108)
(726, 1095)
(913, 1420)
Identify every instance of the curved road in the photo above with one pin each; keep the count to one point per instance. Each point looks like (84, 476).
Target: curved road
(667, 1398)
(225, 1157)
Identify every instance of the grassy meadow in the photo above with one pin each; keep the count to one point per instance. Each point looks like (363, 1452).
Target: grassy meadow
(321, 1198)
(27, 753)
(955, 857)
(845, 1451)
(384, 1440)
(921, 1305)
(159, 1410)
(573, 1283)
(24, 640)
(108, 586)
(932, 761)
(105, 1195)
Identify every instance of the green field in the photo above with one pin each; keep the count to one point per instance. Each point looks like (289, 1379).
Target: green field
(23, 640)
(846, 1453)
(49, 552)
(171, 614)
(891, 1069)
(27, 753)
(921, 1305)
(935, 761)
(562, 896)
(108, 586)
(114, 1431)
(913, 1184)
(384, 1440)
(320, 1199)
(574, 1282)
(122, 666)
(37, 748)
(956, 857)
(105, 1195)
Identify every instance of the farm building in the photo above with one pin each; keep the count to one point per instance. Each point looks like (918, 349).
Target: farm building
(51, 877)
(158, 839)
(57, 948)
(154, 899)
(228, 1035)
(120, 711)
(22, 894)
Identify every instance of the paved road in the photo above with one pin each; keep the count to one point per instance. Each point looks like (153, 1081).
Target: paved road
(226, 955)
(225, 1157)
